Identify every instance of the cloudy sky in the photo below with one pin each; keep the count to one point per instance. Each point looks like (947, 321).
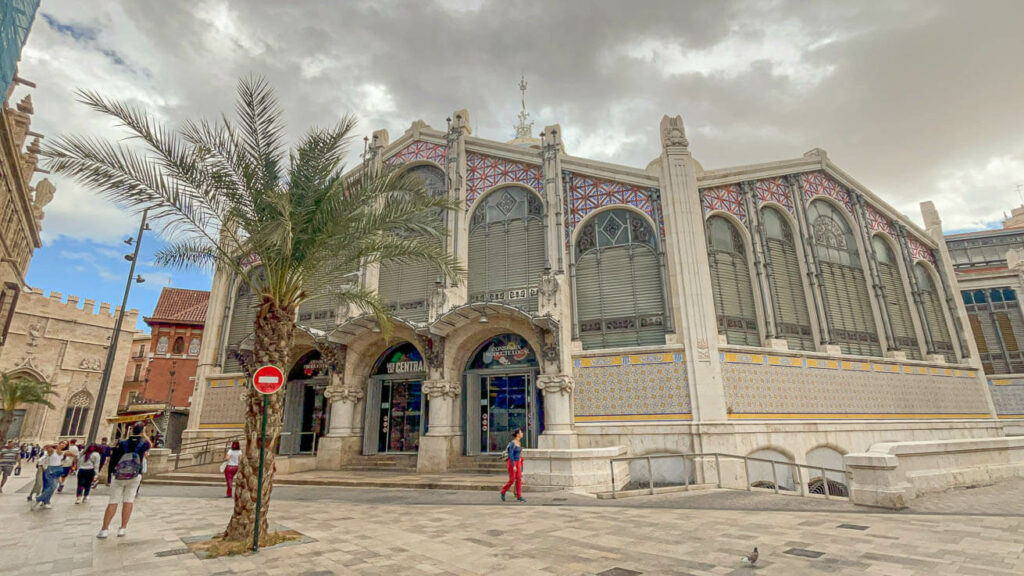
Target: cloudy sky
(918, 99)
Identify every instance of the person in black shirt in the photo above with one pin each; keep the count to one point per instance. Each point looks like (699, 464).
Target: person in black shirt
(124, 478)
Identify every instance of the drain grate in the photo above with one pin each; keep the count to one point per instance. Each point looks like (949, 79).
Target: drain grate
(559, 499)
(804, 553)
(853, 527)
(174, 552)
(619, 572)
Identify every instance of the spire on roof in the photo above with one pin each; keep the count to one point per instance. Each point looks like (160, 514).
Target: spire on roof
(525, 127)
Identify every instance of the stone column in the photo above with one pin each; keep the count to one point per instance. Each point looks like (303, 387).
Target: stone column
(551, 155)
(458, 229)
(344, 440)
(762, 267)
(439, 444)
(686, 248)
(557, 392)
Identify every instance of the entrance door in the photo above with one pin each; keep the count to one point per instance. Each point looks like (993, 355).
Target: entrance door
(507, 405)
(401, 416)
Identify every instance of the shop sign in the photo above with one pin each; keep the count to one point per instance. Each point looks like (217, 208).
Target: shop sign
(405, 367)
(317, 366)
(505, 350)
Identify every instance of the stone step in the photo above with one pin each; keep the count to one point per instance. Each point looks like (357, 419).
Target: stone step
(348, 479)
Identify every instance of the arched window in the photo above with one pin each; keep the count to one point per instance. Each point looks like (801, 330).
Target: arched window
(620, 300)
(730, 284)
(845, 290)
(407, 286)
(760, 474)
(179, 346)
(896, 298)
(506, 248)
(76, 414)
(933, 315)
(243, 315)
(786, 282)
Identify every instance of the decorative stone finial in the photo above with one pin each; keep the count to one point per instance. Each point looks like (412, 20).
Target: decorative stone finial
(380, 139)
(525, 127)
(26, 105)
(816, 153)
(672, 133)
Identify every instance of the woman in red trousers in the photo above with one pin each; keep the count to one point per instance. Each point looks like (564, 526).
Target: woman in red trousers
(231, 462)
(515, 466)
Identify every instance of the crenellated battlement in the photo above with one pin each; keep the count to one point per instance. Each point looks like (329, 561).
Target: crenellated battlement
(87, 311)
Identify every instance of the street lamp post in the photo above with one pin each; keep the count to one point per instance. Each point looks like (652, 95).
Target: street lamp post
(108, 367)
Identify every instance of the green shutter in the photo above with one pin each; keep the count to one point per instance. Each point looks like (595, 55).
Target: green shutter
(893, 287)
(477, 265)
(730, 284)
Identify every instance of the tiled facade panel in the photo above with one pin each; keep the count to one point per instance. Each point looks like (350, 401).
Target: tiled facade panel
(485, 172)
(222, 404)
(626, 388)
(1008, 396)
(782, 386)
(586, 194)
(420, 150)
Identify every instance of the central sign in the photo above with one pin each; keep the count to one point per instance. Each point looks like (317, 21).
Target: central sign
(268, 379)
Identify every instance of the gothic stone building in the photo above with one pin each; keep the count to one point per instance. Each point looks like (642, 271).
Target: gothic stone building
(55, 341)
(777, 309)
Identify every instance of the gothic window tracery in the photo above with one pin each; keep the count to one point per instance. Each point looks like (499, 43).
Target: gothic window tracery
(76, 414)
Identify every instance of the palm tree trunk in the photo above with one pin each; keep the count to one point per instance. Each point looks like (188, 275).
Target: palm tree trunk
(275, 326)
(5, 424)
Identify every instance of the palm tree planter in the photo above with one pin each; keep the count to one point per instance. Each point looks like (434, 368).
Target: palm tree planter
(17, 391)
(225, 193)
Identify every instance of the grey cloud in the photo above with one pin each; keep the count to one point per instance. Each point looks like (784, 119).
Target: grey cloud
(916, 99)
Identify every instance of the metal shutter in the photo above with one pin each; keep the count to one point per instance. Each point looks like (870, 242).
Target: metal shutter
(979, 339)
(932, 303)
(650, 298)
(320, 309)
(893, 288)
(788, 294)
(849, 309)
(243, 319)
(477, 265)
(371, 417)
(730, 284)
(588, 300)
(536, 251)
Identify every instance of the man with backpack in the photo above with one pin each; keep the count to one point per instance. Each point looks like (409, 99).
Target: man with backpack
(125, 473)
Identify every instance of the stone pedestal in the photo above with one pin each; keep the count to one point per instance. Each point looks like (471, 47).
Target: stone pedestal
(583, 469)
(158, 461)
(343, 443)
(558, 432)
(333, 452)
(440, 444)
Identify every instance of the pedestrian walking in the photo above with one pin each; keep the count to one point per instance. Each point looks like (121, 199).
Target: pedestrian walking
(514, 459)
(88, 466)
(101, 472)
(51, 458)
(69, 462)
(10, 458)
(37, 486)
(230, 466)
(127, 465)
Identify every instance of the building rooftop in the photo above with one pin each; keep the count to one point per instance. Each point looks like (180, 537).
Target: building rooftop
(180, 306)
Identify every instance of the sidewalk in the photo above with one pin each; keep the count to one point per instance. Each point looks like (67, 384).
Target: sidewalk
(352, 478)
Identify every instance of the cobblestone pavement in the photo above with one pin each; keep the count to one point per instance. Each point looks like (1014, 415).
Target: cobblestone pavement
(371, 531)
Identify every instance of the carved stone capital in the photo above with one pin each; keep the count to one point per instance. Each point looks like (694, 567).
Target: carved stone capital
(440, 389)
(433, 353)
(350, 394)
(555, 384)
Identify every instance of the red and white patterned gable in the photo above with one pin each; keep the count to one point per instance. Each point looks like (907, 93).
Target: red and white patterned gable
(419, 150)
(485, 172)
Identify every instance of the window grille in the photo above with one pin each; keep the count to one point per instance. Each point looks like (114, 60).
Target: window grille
(730, 283)
(894, 289)
(786, 282)
(845, 289)
(76, 415)
(620, 298)
(406, 287)
(506, 248)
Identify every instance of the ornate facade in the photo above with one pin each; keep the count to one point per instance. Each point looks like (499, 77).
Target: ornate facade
(782, 307)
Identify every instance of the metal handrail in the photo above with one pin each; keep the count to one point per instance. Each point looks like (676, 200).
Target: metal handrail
(718, 470)
(202, 449)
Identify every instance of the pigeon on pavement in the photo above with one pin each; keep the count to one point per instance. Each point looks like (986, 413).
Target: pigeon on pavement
(751, 558)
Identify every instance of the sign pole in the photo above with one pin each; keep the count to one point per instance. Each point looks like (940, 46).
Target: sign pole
(259, 482)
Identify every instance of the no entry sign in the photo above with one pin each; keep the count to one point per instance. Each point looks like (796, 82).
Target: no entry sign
(268, 379)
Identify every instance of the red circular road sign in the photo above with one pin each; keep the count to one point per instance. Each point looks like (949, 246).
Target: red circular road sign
(268, 379)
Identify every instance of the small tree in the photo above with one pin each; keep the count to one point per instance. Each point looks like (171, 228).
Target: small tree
(18, 391)
(231, 192)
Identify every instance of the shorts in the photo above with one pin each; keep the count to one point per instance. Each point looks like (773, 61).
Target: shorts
(124, 490)
(7, 470)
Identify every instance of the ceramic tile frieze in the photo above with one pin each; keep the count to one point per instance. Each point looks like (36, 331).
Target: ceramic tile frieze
(878, 222)
(586, 194)
(222, 403)
(1008, 396)
(774, 190)
(919, 251)
(636, 387)
(767, 386)
(817, 184)
(485, 172)
(420, 150)
(727, 198)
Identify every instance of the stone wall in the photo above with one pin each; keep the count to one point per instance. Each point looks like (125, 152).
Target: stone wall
(53, 340)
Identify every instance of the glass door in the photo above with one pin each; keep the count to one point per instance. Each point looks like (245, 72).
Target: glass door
(505, 404)
(401, 414)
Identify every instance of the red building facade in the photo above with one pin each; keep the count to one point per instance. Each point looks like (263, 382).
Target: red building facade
(176, 329)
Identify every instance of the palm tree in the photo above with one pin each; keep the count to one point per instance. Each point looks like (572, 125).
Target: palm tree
(227, 192)
(17, 391)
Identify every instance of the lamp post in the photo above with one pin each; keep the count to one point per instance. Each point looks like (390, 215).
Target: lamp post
(108, 366)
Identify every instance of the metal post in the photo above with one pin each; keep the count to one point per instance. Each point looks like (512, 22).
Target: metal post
(824, 482)
(259, 482)
(612, 464)
(108, 366)
(775, 477)
(718, 468)
(650, 475)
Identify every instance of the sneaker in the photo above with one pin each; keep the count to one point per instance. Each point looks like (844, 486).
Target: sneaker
(523, 500)
(60, 488)
(78, 500)
(121, 532)
(84, 500)
(29, 498)
(502, 496)
(47, 506)
(102, 534)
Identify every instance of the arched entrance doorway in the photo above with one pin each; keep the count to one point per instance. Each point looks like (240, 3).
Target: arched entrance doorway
(501, 395)
(395, 407)
(304, 409)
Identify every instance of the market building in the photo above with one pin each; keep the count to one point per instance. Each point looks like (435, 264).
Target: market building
(778, 309)
(989, 267)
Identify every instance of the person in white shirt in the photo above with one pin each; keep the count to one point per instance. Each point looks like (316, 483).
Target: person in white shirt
(88, 466)
(51, 477)
(231, 462)
(68, 463)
